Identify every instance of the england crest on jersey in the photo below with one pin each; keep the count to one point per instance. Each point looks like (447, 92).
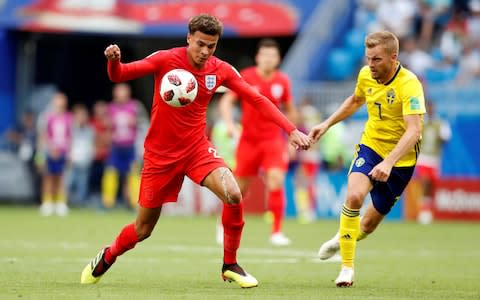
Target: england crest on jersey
(276, 90)
(210, 81)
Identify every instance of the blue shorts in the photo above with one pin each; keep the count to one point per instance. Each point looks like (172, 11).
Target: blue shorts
(121, 158)
(384, 194)
(55, 166)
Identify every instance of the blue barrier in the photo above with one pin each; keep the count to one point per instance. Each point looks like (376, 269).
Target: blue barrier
(7, 85)
(331, 191)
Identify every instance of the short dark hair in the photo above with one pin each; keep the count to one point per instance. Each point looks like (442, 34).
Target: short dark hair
(205, 23)
(268, 43)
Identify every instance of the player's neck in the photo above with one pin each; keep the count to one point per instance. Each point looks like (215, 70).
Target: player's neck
(265, 74)
(193, 64)
(390, 74)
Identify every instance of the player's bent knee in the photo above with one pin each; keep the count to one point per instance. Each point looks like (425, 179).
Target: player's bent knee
(275, 179)
(235, 196)
(355, 200)
(274, 185)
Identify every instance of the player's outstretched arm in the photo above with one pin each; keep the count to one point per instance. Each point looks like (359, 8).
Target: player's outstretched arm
(261, 103)
(348, 107)
(318, 131)
(118, 72)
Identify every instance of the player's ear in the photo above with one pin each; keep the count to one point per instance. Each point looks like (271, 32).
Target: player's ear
(189, 37)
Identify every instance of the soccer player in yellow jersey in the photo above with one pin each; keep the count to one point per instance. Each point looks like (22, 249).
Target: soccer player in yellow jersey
(386, 155)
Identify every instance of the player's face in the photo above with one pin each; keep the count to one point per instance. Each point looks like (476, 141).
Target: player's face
(59, 102)
(200, 47)
(267, 59)
(380, 62)
(121, 93)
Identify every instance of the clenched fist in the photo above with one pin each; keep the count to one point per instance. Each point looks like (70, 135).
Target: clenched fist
(112, 52)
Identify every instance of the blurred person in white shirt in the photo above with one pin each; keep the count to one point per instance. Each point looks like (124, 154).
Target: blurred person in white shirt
(396, 16)
(80, 156)
(414, 58)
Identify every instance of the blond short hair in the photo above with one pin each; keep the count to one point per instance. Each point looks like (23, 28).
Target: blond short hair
(386, 38)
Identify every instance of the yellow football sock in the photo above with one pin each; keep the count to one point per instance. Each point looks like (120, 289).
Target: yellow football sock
(60, 198)
(349, 229)
(109, 187)
(47, 198)
(303, 204)
(134, 185)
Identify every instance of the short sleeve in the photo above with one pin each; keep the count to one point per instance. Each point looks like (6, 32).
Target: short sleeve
(360, 86)
(413, 100)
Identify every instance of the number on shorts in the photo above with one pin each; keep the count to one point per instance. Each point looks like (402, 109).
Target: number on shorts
(214, 152)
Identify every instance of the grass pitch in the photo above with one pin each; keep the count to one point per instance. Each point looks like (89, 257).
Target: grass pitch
(42, 258)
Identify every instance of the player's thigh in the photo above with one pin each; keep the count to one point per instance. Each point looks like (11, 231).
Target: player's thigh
(248, 159)
(160, 184)
(222, 183)
(207, 168)
(274, 154)
(359, 185)
(275, 178)
(371, 218)
(386, 194)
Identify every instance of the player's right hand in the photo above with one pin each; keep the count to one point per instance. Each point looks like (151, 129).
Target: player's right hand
(317, 131)
(112, 52)
(300, 140)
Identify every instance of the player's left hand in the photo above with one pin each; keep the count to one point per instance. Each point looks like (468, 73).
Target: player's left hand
(381, 172)
(299, 140)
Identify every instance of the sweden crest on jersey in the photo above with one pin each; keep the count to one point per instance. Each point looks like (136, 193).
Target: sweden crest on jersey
(390, 96)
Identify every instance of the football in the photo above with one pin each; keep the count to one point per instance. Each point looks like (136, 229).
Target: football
(178, 88)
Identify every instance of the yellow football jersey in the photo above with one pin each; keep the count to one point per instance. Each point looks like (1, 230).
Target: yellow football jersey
(386, 105)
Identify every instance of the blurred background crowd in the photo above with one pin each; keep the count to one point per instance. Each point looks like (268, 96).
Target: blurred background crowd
(51, 52)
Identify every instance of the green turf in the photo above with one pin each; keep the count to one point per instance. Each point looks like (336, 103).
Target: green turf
(42, 258)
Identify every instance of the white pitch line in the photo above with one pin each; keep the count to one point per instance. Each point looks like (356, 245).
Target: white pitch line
(251, 251)
(161, 260)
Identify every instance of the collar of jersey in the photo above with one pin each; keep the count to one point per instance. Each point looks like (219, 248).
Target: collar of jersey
(395, 75)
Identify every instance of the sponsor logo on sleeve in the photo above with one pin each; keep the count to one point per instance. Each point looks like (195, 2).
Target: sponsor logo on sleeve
(414, 103)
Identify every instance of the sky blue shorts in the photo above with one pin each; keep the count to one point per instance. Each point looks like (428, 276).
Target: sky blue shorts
(384, 194)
